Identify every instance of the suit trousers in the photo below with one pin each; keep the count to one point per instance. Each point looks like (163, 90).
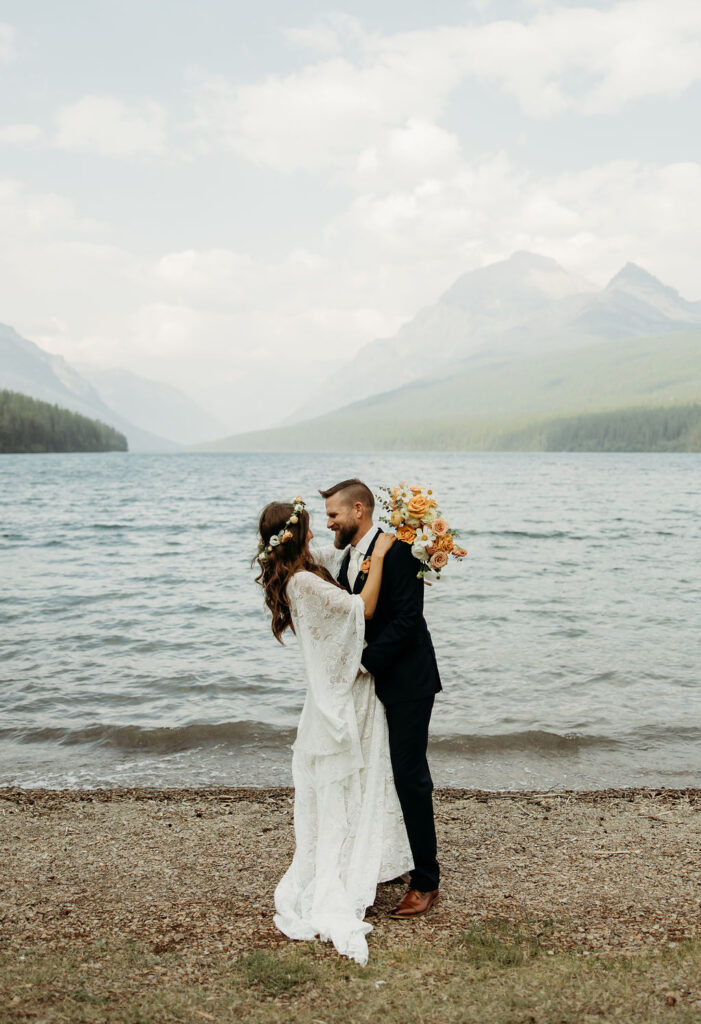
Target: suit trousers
(407, 723)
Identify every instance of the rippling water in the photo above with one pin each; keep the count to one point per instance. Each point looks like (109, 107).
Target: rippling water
(135, 649)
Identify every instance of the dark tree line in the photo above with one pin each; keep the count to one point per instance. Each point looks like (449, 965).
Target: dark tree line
(29, 425)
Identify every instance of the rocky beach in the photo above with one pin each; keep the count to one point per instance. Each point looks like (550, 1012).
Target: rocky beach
(186, 878)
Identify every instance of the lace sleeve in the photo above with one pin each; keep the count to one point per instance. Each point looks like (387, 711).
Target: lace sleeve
(330, 625)
(329, 556)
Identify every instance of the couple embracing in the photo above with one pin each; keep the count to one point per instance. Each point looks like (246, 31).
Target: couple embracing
(363, 810)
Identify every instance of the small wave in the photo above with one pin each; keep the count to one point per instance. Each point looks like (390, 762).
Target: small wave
(167, 739)
(162, 739)
(535, 740)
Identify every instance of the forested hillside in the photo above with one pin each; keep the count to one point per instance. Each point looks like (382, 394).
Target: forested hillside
(514, 403)
(28, 425)
(672, 429)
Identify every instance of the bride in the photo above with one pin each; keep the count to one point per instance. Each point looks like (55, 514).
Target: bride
(349, 830)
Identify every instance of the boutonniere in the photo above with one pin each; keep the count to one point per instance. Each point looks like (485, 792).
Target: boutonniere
(365, 565)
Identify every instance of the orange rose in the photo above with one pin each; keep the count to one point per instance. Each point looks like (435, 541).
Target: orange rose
(417, 506)
(439, 560)
(365, 565)
(407, 534)
(439, 526)
(445, 543)
(416, 490)
(459, 552)
(396, 518)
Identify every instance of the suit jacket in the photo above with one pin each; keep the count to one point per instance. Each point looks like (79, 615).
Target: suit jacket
(399, 651)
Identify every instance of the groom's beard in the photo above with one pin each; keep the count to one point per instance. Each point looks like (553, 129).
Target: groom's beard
(344, 536)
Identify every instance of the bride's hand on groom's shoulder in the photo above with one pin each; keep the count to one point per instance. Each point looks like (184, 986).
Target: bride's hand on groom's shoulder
(383, 543)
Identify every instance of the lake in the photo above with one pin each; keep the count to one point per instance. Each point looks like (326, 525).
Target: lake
(135, 649)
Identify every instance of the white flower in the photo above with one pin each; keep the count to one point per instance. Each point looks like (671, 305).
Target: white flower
(418, 550)
(274, 541)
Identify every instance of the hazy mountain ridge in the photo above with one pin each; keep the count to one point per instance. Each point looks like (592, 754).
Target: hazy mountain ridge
(30, 370)
(154, 406)
(489, 400)
(524, 305)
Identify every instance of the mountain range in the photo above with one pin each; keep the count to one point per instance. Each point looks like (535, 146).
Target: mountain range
(521, 306)
(517, 342)
(507, 345)
(491, 405)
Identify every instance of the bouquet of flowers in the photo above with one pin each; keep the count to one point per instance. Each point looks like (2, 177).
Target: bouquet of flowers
(413, 512)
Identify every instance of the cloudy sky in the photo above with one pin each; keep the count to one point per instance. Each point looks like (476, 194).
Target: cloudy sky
(232, 197)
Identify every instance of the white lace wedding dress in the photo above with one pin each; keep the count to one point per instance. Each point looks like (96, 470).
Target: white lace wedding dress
(349, 829)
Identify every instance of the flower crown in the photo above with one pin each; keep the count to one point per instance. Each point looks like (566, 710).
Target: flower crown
(284, 534)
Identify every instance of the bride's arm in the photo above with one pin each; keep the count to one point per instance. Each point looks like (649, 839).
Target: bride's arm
(371, 590)
(327, 555)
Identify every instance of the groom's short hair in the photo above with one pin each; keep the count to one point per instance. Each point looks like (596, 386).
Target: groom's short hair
(354, 490)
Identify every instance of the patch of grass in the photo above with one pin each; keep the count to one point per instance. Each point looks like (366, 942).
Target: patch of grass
(273, 974)
(498, 943)
(494, 973)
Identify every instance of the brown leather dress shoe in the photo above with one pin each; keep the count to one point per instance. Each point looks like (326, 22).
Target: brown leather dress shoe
(414, 903)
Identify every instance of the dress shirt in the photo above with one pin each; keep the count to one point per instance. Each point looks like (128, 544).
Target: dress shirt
(357, 554)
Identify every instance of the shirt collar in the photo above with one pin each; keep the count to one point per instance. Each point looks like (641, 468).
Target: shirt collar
(364, 542)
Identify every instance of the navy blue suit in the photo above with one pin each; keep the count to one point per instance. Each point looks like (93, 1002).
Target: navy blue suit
(400, 656)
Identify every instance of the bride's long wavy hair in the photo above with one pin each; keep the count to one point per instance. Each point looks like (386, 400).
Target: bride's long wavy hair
(280, 564)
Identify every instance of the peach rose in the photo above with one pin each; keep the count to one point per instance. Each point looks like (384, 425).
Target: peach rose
(440, 525)
(407, 534)
(445, 543)
(396, 519)
(459, 552)
(417, 506)
(438, 561)
(365, 565)
(415, 490)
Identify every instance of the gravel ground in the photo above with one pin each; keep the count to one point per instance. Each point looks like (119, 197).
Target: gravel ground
(609, 872)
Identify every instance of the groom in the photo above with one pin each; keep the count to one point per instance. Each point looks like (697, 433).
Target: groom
(400, 655)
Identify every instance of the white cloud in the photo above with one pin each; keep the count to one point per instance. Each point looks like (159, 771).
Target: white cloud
(592, 221)
(328, 114)
(212, 275)
(110, 127)
(20, 133)
(25, 214)
(7, 42)
(414, 151)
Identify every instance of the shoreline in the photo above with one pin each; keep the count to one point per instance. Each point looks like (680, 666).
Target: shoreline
(119, 793)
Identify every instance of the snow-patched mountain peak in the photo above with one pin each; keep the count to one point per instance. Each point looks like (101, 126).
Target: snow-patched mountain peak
(634, 276)
(639, 283)
(522, 283)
